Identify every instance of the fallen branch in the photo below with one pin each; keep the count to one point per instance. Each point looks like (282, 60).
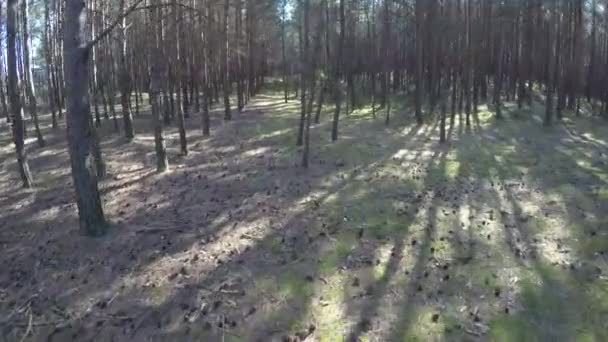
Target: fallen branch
(159, 230)
(42, 323)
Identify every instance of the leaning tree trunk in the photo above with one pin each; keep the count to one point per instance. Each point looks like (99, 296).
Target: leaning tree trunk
(79, 121)
(13, 96)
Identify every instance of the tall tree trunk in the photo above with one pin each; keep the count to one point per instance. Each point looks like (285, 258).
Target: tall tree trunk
(27, 76)
(251, 46)
(13, 95)
(284, 64)
(111, 90)
(387, 60)
(239, 79)
(468, 73)
(578, 57)
(419, 62)
(592, 52)
(225, 57)
(162, 163)
(498, 72)
(309, 64)
(337, 75)
(550, 86)
(303, 36)
(3, 96)
(79, 122)
(443, 75)
(125, 79)
(179, 71)
(48, 59)
(206, 74)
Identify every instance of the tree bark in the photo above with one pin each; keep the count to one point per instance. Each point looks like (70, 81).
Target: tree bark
(183, 142)
(162, 163)
(239, 79)
(13, 95)
(337, 75)
(303, 38)
(27, 76)
(206, 74)
(419, 62)
(550, 86)
(79, 122)
(125, 79)
(284, 64)
(3, 96)
(225, 71)
(498, 73)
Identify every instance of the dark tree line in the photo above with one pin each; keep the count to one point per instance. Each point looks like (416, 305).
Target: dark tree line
(179, 57)
(452, 55)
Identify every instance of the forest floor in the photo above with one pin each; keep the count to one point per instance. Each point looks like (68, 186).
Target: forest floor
(501, 234)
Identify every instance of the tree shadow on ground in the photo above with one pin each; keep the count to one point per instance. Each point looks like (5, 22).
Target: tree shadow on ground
(202, 213)
(385, 231)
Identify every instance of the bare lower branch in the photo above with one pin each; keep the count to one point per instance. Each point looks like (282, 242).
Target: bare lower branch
(115, 23)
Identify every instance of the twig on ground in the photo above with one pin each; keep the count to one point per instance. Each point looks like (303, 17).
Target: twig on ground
(42, 323)
(18, 310)
(29, 323)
